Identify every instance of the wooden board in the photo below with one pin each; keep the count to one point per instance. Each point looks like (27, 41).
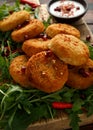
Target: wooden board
(60, 123)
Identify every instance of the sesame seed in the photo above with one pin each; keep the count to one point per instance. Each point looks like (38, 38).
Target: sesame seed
(61, 73)
(54, 61)
(43, 73)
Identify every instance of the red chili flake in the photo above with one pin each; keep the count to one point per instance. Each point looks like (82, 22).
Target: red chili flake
(68, 8)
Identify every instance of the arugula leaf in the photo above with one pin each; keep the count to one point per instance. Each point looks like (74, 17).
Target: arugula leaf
(74, 121)
(68, 94)
(89, 109)
(14, 97)
(47, 23)
(21, 122)
(28, 8)
(36, 14)
(4, 68)
(17, 5)
(91, 51)
(3, 11)
(36, 105)
(77, 105)
(6, 9)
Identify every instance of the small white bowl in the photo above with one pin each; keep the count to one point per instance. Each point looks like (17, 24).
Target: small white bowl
(67, 10)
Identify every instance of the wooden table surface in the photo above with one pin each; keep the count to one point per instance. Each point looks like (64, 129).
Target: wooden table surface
(89, 20)
(89, 15)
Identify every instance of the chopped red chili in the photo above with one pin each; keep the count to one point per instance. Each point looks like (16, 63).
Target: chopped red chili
(61, 105)
(33, 5)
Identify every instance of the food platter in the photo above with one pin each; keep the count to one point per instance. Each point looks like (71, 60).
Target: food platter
(62, 121)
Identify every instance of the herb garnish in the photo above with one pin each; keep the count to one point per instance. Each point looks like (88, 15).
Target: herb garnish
(6, 9)
(20, 107)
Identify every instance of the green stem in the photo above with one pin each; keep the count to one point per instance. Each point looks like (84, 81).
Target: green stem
(44, 97)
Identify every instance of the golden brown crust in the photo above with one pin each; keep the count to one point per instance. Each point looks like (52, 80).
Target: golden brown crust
(69, 49)
(81, 77)
(34, 28)
(58, 28)
(33, 46)
(14, 20)
(17, 71)
(47, 71)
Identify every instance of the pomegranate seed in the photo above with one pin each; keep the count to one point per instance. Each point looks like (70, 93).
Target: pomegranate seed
(57, 9)
(19, 26)
(78, 8)
(23, 68)
(91, 69)
(43, 36)
(26, 37)
(70, 66)
(83, 72)
(48, 53)
(11, 11)
(88, 37)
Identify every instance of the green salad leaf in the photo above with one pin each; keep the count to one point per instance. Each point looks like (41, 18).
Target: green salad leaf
(91, 51)
(6, 9)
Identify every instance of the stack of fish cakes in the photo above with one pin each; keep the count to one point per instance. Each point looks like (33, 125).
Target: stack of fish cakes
(48, 64)
(66, 44)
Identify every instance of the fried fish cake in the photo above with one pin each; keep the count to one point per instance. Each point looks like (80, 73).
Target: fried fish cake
(47, 71)
(33, 46)
(31, 30)
(59, 28)
(13, 20)
(17, 71)
(70, 49)
(81, 77)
